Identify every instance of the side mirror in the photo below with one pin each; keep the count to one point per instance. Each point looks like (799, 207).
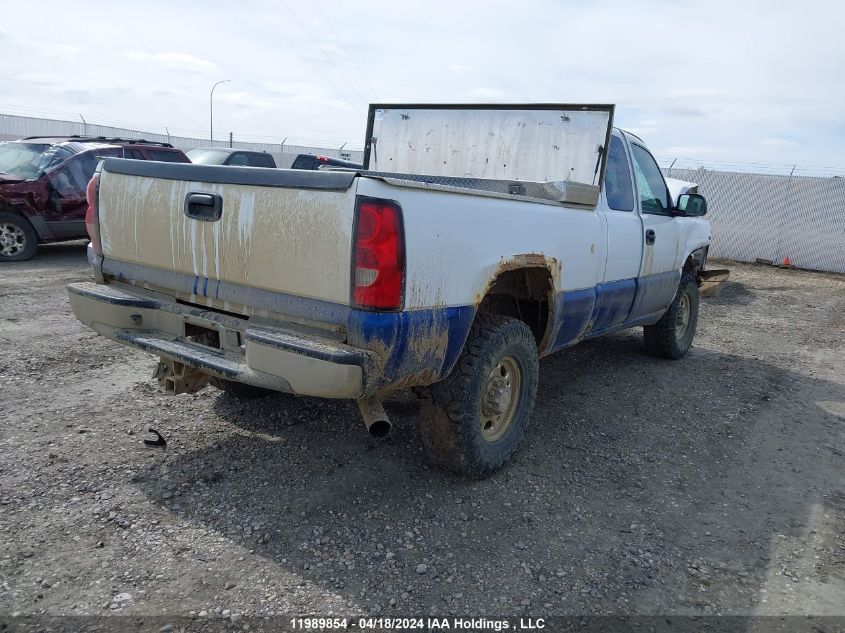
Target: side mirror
(691, 205)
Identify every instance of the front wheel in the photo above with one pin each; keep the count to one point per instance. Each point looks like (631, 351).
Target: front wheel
(671, 336)
(18, 241)
(473, 421)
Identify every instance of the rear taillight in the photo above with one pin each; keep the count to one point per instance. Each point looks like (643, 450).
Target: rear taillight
(92, 215)
(378, 254)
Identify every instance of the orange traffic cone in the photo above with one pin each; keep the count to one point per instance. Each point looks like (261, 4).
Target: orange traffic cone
(786, 263)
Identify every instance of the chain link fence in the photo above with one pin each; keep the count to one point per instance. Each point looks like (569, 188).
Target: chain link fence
(771, 217)
(753, 215)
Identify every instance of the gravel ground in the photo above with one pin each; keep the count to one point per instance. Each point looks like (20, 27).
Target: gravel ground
(713, 484)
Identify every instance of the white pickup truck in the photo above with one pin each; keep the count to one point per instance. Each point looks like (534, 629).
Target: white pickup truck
(475, 240)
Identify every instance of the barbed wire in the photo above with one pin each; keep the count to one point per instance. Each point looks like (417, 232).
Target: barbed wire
(772, 169)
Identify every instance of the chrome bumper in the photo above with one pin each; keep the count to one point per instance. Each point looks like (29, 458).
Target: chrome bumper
(279, 358)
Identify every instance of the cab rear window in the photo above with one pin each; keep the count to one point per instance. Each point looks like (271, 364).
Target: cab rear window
(304, 162)
(165, 156)
(261, 160)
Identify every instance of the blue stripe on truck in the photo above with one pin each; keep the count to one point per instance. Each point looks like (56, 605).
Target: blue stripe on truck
(421, 346)
(614, 305)
(655, 293)
(417, 346)
(572, 311)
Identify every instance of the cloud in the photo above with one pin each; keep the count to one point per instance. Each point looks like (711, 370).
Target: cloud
(486, 94)
(173, 61)
(684, 93)
(167, 93)
(642, 131)
(696, 151)
(245, 100)
(66, 49)
(328, 47)
(687, 111)
(721, 102)
(462, 68)
(294, 88)
(39, 79)
(79, 94)
(778, 142)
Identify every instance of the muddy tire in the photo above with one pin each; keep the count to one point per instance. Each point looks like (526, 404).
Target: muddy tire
(239, 389)
(18, 240)
(671, 337)
(473, 421)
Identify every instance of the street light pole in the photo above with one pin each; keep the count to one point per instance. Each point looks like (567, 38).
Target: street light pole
(211, 110)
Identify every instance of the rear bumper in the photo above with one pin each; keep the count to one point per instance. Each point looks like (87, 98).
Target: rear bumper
(290, 359)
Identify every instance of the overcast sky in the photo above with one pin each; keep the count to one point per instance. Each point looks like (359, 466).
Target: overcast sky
(716, 81)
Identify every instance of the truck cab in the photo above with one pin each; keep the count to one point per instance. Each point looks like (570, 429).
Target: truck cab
(647, 240)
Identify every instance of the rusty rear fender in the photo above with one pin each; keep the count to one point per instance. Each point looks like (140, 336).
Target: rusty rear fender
(412, 348)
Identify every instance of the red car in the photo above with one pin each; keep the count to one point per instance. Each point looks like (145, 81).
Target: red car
(43, 181)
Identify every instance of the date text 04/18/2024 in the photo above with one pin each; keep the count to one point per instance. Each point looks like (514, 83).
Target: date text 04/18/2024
(410, 624)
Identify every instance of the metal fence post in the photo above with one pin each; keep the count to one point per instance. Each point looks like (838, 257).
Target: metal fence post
(784, 239)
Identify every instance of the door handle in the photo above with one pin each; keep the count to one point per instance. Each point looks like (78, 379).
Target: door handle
(649, 236)
(206, 207)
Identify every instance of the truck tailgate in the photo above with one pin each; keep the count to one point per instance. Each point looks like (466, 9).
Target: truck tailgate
(278, 230)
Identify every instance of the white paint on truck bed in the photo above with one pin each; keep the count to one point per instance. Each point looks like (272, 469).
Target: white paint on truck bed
(285, 240)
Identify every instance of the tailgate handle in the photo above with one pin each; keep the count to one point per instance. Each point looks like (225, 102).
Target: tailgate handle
(206, 207)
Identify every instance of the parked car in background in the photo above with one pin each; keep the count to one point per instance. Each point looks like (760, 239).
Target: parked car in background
(162, 152)
(309, 161)
(135, 148)
(43, 184)
(42, 192)
(230, 156)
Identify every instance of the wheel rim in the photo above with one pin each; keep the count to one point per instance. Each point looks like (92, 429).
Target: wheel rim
(682, 318)
(501, 396)
(12, 239)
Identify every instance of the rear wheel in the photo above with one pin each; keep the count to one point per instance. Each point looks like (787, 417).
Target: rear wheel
(18, 240)
(473, 421)
(671, 336)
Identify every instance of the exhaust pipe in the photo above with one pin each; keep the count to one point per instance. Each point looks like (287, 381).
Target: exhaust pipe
(375, 419)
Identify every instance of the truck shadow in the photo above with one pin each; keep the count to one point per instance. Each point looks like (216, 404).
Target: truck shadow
(734, 293)
(644, 486)
(63, 253)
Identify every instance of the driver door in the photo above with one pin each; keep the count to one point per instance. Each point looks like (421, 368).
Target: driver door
(659, 272)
